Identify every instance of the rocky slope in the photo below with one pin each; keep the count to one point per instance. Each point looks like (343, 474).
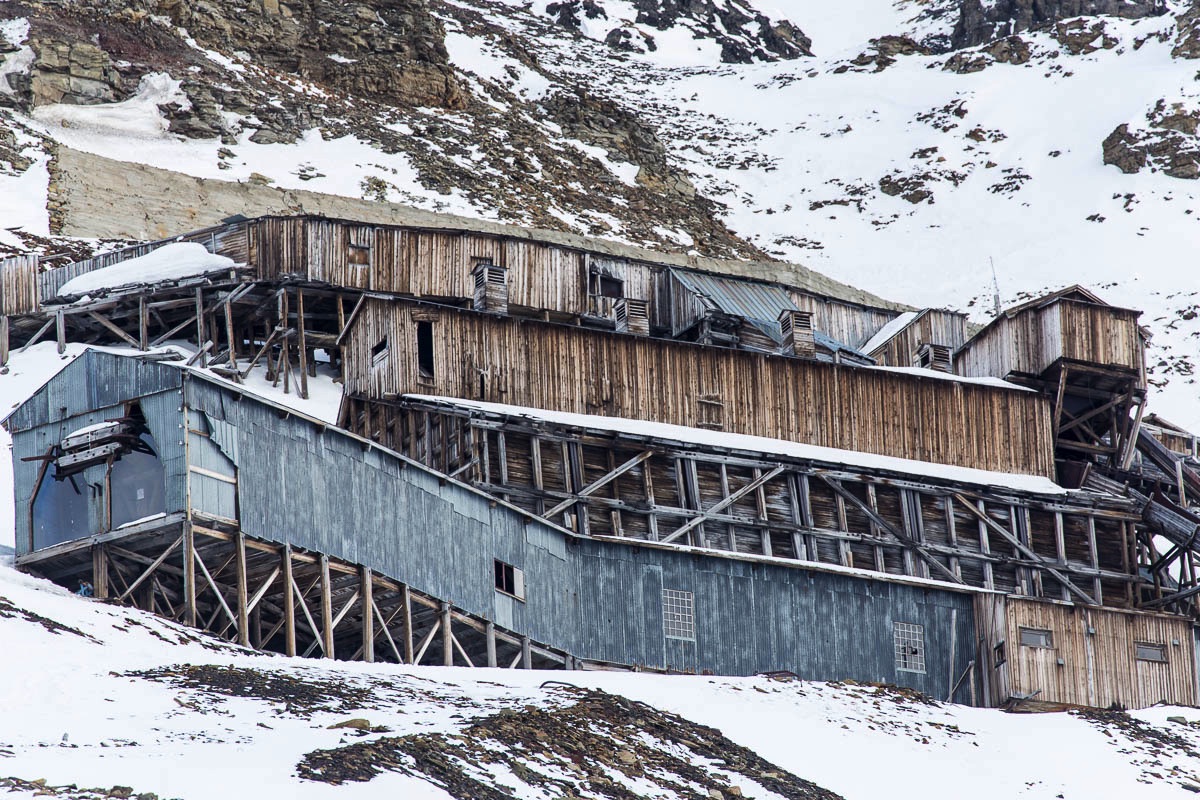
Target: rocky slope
(932, 151)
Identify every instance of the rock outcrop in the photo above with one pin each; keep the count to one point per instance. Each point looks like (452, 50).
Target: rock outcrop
(1169, 144)
(745, 34)
(979, 22)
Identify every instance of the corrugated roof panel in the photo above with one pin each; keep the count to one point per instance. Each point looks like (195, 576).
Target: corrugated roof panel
(758, 303)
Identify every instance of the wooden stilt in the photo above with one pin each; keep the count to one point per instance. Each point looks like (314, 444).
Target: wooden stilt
(302, 345)
(60, 331)
(447, 636)
(143, 324)
(200, 326)
(526, 653)
(490, 633)
(4, 340)
(289, 602)
(326, 631)
(100, 571)
(243, 604)
(368, 620)
(189, 574)
(406, 622)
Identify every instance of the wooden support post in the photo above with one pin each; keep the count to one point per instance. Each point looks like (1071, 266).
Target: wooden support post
(200, 326)
(302, 345)
(229, 334)
(100, 571)
(143, 324)
(526, 654)
(189, 574)
(60, 331)
(4, 340)
(407, 625)
(447, 636)
(289, 602)
(490, 633)
(366, 587)
(243, 600)
(326, 632)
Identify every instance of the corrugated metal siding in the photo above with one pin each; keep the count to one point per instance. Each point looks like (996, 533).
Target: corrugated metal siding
(758, 303)
(92, 380)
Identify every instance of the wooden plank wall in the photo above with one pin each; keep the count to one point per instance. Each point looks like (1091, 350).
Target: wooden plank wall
(1096, 647)
(18, 285)
(931, 326)
(529, 363)
(849, 324)
(1035, 338)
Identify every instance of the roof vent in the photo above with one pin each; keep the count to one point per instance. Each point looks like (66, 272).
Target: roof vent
(491, 286)
(633, 316)
(798, 339)
(933, 356)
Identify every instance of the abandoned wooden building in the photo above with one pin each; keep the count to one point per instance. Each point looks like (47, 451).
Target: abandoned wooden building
(571, 455)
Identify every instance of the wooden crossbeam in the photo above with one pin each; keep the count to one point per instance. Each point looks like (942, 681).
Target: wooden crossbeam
(114, 329)
(1082, 418)
(886, 526)
(1026, 551)
(150, 569)
(598, 484)
(213, 585)
(728, 501)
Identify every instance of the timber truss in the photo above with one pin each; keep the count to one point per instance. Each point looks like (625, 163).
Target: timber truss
(1083, 547)
(271, 596)
(232, 321)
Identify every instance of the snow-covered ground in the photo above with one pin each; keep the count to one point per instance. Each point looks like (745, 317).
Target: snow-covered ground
(226, 723)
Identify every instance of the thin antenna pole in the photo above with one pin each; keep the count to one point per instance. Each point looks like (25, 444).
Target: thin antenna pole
(995, 288)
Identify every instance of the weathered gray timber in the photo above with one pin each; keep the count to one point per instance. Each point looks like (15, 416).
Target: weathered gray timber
(342, 499)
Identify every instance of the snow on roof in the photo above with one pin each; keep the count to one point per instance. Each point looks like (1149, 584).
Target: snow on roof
(888, 331)
(922, 372)
(1035, 484)
(169, 262)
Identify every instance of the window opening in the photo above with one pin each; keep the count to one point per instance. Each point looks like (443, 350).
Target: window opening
(679, 615)
(1037, 637)
(999, 656)
(425, 348)
(1146, 651)
(909, 642)
(607, 286)
(360, 256)
(510, 579)
(379, 353)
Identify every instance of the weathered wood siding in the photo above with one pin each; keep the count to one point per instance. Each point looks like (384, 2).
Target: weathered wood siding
(522, 362)
(1096, 648)
(1034, 339)
(18, 285)
(930, 327)
(850, 324)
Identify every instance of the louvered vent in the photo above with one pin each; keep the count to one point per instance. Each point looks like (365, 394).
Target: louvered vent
(933, 356)
(798, 339)
(633, 316)
(491, 287)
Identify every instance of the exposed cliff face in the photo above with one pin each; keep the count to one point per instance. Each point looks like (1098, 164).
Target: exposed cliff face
(743, 33)
(979, 23)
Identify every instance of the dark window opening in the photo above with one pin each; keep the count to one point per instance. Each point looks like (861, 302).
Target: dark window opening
(510, 580)
(999, 657)
(379, 353)
(425, 349)
(607, 286)
(1037, 637)
(1144, 651)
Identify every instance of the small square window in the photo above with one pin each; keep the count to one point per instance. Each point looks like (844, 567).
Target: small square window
(679, 615)
(1145, 651)
(1037, 637)
(510, 580)
(607, 286)
(360, 256)
(909, 641)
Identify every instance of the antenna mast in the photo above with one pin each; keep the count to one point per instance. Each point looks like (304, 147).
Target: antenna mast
(995, 289)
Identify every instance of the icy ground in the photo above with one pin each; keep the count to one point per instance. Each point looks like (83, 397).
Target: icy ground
(202, 719)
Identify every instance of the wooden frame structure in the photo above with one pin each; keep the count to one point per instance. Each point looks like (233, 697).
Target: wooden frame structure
(270, 596)
(1081, 547)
